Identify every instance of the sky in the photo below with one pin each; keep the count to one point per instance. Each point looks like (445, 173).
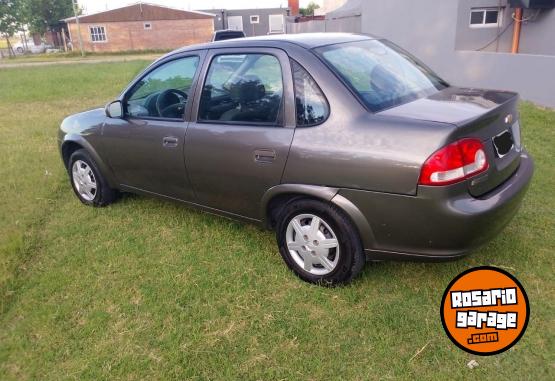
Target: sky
(91, 6)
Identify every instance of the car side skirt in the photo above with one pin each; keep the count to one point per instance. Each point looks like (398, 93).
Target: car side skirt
(378, 256)
(203, 208)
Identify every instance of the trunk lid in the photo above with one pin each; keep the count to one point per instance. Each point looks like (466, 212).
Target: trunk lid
(491, 116)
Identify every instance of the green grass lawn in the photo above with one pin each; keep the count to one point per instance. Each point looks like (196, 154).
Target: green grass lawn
(148, 289)
(76, 56)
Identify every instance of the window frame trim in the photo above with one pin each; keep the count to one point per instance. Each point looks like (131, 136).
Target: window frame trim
(485, 25)
(201, 54)
(293, 61)
(103, 26)
(281, 117)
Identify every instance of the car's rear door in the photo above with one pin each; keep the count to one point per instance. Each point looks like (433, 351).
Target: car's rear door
(242, 126)
(145, 148)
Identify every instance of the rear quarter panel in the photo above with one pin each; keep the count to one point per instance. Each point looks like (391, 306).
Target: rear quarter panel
(364, 152)
(356, 149)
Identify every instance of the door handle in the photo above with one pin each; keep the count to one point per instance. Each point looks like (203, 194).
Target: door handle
(264, 155)
(170, 141)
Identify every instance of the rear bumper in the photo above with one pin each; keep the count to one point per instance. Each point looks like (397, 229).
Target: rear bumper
(439, 222)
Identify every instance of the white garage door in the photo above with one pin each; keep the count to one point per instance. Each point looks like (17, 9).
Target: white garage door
(235, 22)
(276, 24)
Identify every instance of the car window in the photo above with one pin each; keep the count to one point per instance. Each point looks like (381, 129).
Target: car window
(381, 74)
(163, 92)
(228, 35)
(242, 88)
(310, 103)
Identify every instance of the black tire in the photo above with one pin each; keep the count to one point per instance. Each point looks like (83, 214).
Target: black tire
(103, 195)
(352, 257)
(19, 50)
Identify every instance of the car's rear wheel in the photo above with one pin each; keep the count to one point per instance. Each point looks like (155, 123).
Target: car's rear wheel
(319, 242)
(87, 182)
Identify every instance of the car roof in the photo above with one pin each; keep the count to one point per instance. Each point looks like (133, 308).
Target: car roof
(305, 40)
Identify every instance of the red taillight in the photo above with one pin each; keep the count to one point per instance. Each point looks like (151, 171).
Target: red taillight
(454, 163)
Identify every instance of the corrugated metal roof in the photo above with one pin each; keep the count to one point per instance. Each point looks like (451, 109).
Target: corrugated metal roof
(141, 12)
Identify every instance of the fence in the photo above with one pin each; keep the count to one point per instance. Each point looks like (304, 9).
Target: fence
(347, 24)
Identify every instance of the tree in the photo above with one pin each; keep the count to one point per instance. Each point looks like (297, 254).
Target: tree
(39, 14)
(11, 19)
(309, 10)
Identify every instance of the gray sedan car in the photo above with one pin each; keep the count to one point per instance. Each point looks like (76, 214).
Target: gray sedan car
(345, 145)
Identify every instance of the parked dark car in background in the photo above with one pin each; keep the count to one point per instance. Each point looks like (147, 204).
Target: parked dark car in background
(346, 145)
(227, 34)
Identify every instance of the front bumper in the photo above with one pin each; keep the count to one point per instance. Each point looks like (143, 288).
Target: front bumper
(440, 222)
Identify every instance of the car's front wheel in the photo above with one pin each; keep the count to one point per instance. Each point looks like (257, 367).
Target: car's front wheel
(319, 242)
(87, 182)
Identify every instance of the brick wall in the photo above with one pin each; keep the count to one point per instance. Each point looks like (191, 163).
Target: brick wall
(164, 34)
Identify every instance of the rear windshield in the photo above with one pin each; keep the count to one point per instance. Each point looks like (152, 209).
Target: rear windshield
(228, 35)
(380, 73)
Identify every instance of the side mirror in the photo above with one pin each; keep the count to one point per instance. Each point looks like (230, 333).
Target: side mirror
(114, 110)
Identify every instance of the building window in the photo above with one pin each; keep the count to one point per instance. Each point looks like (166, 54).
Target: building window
(255, 19)
(485, 17)
(235, 22)
(277, 24)
(98, 33)
(147, 26)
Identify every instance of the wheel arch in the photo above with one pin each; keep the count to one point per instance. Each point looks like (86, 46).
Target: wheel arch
(73, 143)
(281, 194)
(357, 217)
(68, 148)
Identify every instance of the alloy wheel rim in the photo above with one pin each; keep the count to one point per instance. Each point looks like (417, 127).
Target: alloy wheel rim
(312, 244)
(84, 180)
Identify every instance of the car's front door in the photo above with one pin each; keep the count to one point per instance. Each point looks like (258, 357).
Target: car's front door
(145, 148)
(241, 130)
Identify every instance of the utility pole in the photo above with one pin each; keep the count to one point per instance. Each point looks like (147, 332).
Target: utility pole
(75, 4)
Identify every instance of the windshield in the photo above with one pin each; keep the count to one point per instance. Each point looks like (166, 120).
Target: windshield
(380, 73)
